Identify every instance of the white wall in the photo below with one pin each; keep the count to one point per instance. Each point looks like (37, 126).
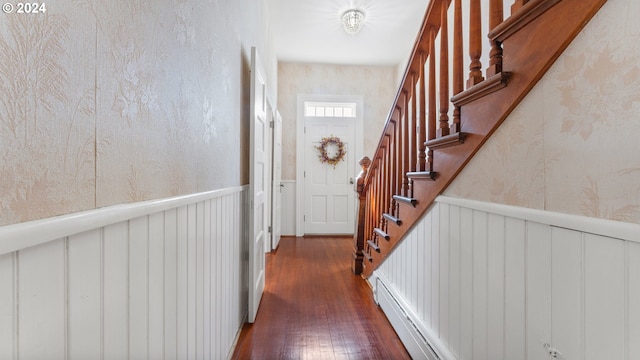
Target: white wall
(376, 84)
(489, 281)
(567, 146)
(159, 279)
(289, 208)
(128, 100)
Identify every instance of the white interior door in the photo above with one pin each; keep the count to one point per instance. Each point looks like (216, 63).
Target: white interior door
(276, 202)
(259, 160)
(329, 194)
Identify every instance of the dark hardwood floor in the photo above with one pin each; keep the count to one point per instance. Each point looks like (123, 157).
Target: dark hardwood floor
(314, 307)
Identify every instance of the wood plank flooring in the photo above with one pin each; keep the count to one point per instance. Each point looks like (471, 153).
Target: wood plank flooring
(314, 307)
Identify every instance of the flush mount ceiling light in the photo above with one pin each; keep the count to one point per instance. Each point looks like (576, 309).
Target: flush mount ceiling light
(352, 21)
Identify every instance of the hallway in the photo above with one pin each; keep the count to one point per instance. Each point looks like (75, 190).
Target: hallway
(314, 307)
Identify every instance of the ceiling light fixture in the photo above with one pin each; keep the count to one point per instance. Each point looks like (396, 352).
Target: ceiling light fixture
(352, 21)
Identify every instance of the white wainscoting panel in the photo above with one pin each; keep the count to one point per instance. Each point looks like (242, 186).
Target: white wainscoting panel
(487, 281)
(162, 279)
(42, 312)
(289, 207)
(8, 305)
(84, 294)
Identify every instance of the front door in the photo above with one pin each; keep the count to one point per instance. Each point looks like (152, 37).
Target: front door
(329, 194)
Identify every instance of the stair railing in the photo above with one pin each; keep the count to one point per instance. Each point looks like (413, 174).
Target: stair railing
(445, 73)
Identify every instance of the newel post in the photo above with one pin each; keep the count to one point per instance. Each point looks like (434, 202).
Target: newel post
(358, 237)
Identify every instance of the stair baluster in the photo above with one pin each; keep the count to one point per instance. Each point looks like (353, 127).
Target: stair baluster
(495, 56)
(422, 118)
(443, 128)
(458, 63)
(475, 44)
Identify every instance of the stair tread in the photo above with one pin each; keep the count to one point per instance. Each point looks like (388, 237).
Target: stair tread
(407, 200)
(445, 141)
(381, 233)
(392, 218)
(373, 245)
(367, 256)
(430, 175)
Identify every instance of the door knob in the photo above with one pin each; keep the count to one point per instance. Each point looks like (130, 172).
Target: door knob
(351, 181)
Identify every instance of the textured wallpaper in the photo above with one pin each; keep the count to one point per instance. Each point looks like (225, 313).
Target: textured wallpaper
(571, 146)
(106, 102)
(377, 86)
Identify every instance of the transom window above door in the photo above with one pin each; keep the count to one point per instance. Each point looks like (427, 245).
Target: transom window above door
(322, 109)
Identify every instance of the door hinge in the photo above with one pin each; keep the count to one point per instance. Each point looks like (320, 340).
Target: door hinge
(269, 229)
(271, 124)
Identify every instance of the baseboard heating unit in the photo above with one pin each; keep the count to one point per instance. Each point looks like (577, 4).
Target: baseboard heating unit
(410, 333)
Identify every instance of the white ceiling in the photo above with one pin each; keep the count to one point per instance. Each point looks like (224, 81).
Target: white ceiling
(310, 31)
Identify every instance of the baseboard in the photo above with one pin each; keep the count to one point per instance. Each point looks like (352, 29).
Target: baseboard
(417, 339)
(237, 338)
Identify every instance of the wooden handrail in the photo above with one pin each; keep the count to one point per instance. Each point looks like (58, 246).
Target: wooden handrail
(436, 124)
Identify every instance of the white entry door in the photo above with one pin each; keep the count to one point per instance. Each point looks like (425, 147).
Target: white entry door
(329, 194)
(259, 161)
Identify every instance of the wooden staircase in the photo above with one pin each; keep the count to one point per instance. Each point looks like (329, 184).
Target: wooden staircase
(431, 135)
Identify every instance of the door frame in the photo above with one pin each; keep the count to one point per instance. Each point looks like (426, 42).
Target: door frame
(269, 172)
(300, 157)
(276, 181)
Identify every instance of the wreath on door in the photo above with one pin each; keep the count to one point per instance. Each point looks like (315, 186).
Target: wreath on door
(331, 150)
